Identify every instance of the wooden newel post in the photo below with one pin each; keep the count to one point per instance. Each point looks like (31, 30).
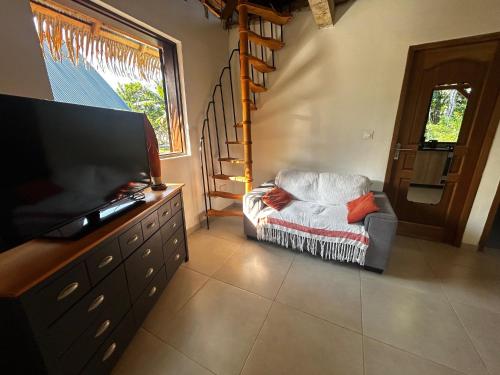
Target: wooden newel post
(245, 94)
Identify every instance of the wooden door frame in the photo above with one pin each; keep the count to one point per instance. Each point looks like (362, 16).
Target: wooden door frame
(490, 133)
(495, 206)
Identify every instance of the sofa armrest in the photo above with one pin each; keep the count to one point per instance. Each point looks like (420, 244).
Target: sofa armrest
(252, 205)
(381, 227)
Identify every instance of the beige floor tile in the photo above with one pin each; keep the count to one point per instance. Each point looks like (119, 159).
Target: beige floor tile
(406, 243)
(326, 289)
(217, 327)
(229, 228)
(147, 355)
(381, 359)
(208, 253)
(408, 268)
(180, 289)
(258, 267)
(484, 328)
(420, 323)
(292, 342)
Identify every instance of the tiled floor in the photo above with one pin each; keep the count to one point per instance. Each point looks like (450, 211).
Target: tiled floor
(243, 307)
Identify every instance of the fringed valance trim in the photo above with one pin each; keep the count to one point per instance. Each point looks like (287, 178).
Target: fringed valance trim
(123, 57)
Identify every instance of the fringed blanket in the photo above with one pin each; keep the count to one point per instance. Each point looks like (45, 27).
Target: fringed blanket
(315, 228)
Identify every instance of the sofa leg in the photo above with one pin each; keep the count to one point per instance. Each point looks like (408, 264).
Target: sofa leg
(374, 269)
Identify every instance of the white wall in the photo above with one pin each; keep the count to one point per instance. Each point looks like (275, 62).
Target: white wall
(203, 54)
(332, 84)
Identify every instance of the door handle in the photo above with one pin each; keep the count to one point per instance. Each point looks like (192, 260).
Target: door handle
(398, 149)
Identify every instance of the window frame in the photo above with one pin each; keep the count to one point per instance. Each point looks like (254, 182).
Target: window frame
(171, 77)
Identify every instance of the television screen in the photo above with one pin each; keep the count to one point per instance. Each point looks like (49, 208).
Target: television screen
(60, 162)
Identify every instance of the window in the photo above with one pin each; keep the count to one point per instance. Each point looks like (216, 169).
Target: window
(446, 113)
(96, 58)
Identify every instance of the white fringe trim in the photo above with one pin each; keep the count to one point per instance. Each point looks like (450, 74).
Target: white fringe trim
(348, 251)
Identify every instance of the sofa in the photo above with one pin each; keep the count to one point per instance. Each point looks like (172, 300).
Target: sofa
(316, 219)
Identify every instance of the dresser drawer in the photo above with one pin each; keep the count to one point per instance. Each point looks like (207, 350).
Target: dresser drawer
(112, 291)
(171, 226)
(175, 260)
(149, 297)
(164, 213)
(131, 240)
(143, 264)
(150, 225)
(173, 243)
(108, 354)
(176, 203)
(54, 299)
(103, 260)
(75, 358)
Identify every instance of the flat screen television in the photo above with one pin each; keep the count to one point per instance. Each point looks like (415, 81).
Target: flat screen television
(63, 164)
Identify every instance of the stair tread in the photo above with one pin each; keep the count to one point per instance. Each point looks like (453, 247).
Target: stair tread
(238, 125)
(260, 65)
(229, 177)
(225, 213)
(256, 87)
(232, 160)
(268, 14)
(212, 9)
(234, 142)
(270, 43)
(225, 194)
(253, 106)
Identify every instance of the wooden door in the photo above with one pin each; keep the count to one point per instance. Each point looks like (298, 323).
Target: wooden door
(446, 106)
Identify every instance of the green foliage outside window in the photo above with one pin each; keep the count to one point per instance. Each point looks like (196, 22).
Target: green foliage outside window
(445, 116)
(141, 98)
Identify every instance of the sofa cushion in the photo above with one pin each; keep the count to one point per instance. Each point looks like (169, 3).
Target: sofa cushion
(277, 198)
(329, 188)
(360, 207)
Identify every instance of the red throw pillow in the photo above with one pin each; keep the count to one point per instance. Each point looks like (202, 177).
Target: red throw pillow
(277, 198)
(360, 207)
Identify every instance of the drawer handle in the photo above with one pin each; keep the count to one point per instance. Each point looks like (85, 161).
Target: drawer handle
(109, 351)
(152, 292)
(165, 213)
(102, 328)
(176, 204)
(105, 261)
(151, 225)
(68, 290)
(96, 303)
(149, 272)
(177, 256)
(176, 241)
(174, 225)
(146, 253)
(132, 239)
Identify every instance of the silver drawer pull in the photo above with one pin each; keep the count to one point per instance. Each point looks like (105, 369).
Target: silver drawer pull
(176, 204)
(174, 225)
(149, 272)
(152, 292)
(132, 239)
(165, 213)
(68, 290)
(146, 253)
(109, 351)
(177, 256)
(102, 328)
(176, 241)
(96, 303)
(151, 225)
(105, 261)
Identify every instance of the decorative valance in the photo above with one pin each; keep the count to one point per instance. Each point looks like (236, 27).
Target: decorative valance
(88, 38)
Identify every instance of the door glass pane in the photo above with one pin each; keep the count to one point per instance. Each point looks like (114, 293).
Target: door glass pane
(435, 152)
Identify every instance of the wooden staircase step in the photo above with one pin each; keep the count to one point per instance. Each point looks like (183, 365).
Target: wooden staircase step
(211, 9)
(260, 65)
(230, 178)
(225, 194)
(268, 14)
(253, 107)
(235, 142)
(232, 160)
(238, 125)
(225, 213)
(270, 43)
(256, 87)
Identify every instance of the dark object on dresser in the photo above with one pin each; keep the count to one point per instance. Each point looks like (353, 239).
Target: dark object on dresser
(71, 307)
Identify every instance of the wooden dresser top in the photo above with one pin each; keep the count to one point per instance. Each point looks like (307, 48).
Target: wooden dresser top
(27, 265)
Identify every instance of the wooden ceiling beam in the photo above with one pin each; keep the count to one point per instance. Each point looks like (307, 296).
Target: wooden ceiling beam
(323, 12)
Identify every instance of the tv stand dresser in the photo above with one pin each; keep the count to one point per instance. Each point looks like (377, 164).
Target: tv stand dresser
(70, 307)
